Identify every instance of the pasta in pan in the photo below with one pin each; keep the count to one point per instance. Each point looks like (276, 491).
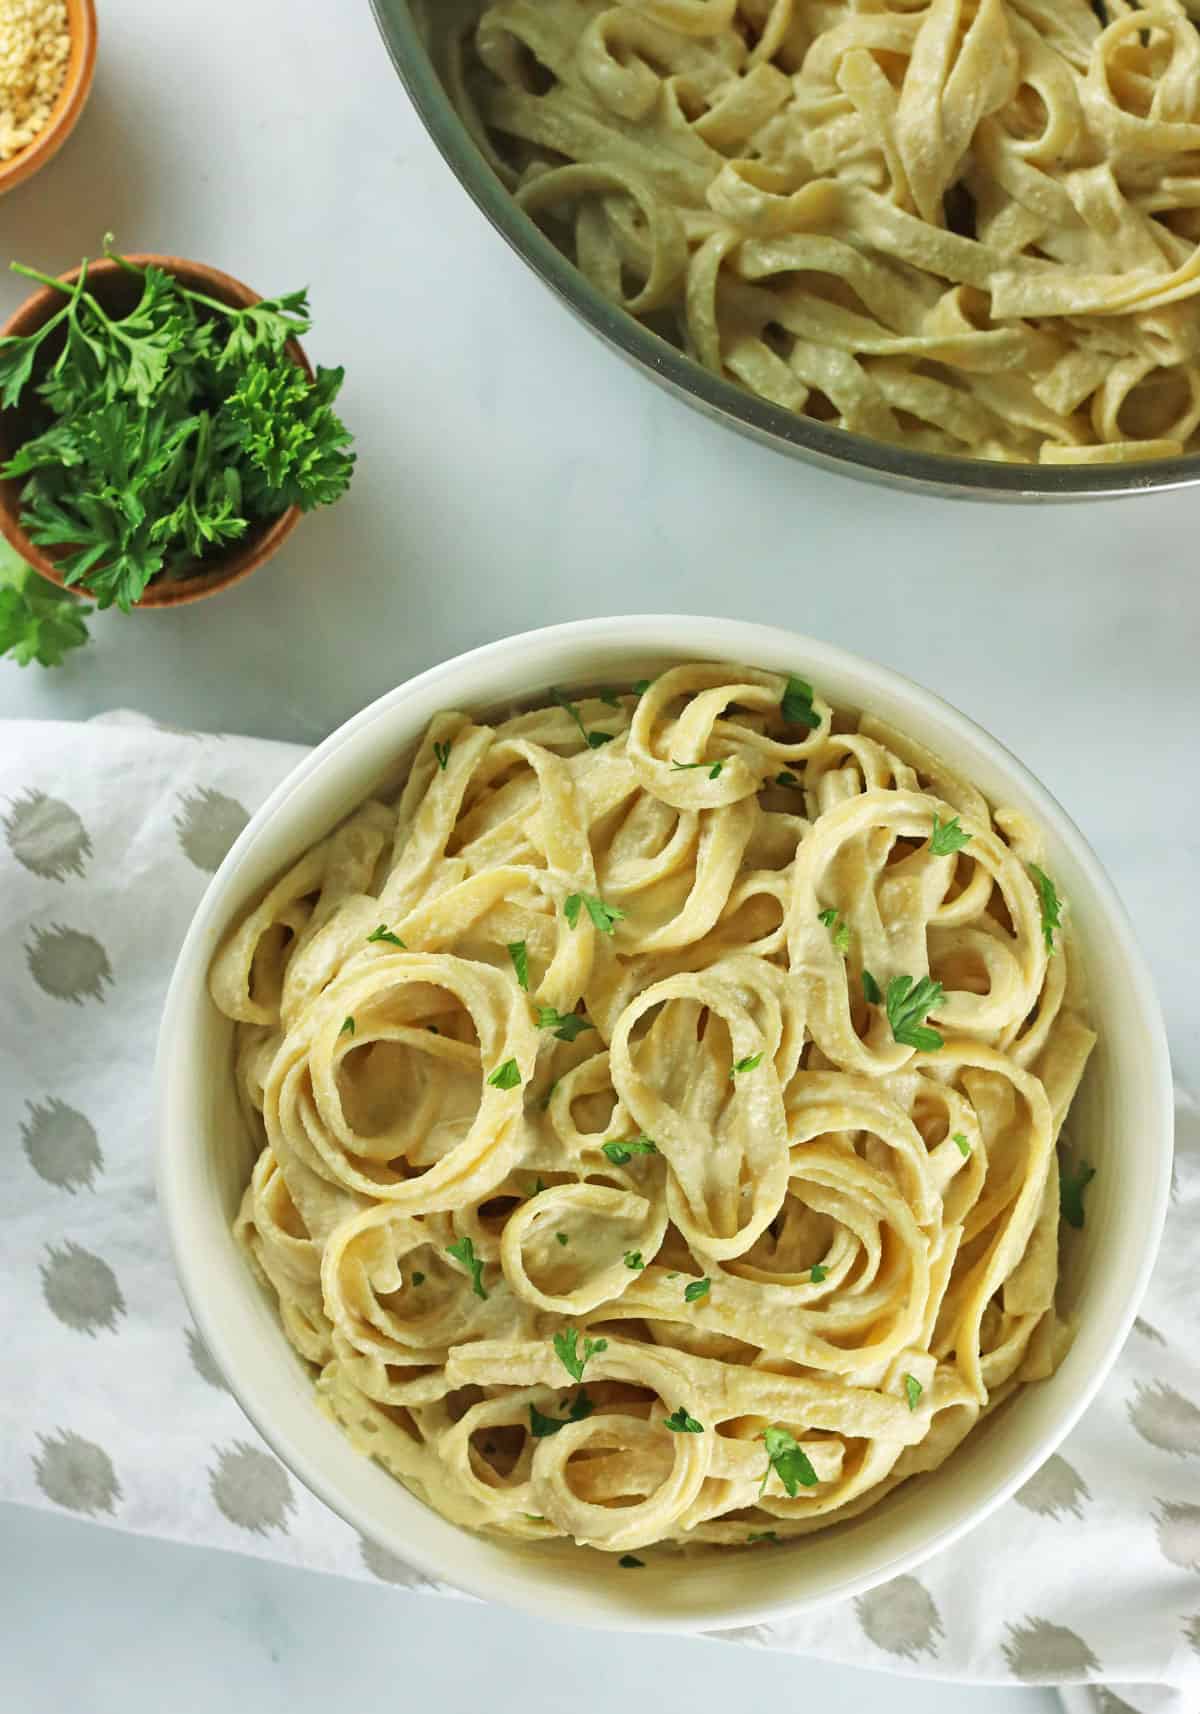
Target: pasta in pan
(970, 226)
(658, 1109)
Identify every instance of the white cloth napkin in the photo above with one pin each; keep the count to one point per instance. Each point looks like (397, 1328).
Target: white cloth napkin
(111, 1408)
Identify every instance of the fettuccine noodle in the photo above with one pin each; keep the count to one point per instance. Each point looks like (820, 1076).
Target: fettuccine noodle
(590, 1177)
(970, 226)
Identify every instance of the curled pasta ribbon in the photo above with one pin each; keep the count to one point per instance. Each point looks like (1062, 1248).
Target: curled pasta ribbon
(955, 226)
(586, 1156)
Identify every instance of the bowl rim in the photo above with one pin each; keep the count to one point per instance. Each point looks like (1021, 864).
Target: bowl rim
(668, 634)
(244, 556)
(68, 104)
(839, 450)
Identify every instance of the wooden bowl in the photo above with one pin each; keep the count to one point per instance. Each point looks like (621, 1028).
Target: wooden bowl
(118, 290)
(69, 102)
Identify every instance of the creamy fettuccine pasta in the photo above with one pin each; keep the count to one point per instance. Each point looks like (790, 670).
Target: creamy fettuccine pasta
(658, 1109)
(970, 226)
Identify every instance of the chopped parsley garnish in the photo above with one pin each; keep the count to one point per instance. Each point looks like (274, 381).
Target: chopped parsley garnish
(464, 1252)
(786, 778)
(762, 1535)
(714, 768)
(871, 993)
(747, 1064)
(907, 1004)
(839, 931)
(679, 1422)
(619, 1153)
(519, 954)
(642, 686)
(347, 1028)
(442, 752)
(604, 916)
(562, 1238)
(610, 697)
(540, 1426)
(566, 1025)
(697, 1290)
(1050, 902)
(593, 740)
(817, 1272)
(631, 1561)
(796, 707)
(506, 1076)
(789, 1461)
(418, 1279)
(539, 1184)
(964, 1147)
(1071, 1185)
(912, 1391)
(565, 1345)
(947, 837)
(633, 1259)
(383, 932)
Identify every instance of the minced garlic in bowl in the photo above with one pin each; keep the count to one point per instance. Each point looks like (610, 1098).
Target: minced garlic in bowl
(35, 43)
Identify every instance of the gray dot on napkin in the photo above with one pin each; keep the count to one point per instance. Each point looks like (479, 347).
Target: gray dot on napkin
(900, 1617)
(1056, 1487)
(1108, 1703)
(252, 1489)
(76, 1473)
(1148, 1332)
(1178, 1527)
(80, 1289)
(385, 1565)
(61, 1145)
(1037, 1651)
(68, 965)
(1165, 1418)
(1191, 1630)
(207, 825)
(202, 1362)
(46, 836)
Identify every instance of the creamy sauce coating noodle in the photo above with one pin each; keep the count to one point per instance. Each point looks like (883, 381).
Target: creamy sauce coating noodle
(969, 226)
(616, 1177)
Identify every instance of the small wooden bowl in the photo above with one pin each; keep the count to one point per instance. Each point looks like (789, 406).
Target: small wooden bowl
(119, 290)
(68, 103)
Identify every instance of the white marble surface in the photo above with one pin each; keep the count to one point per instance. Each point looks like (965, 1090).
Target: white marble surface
(512, 474)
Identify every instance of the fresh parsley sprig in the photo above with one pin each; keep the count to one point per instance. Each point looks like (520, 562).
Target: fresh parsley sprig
(605, 917)
(797, 704)
(948, 837)
(682, 1422)
(37, 621)
(566, 1025)
(714, 768)
(1050, 903)
(1072, 1182)
(621, 1152)
(572, 1360)
(907, 1004)
(789, 1461)
(751, 1062)
(839, 931)
(519, 953)
(541, 1425)
(383, 932)
(697, 1290)
(506, 1076)
(464, 1252)
(592, 739)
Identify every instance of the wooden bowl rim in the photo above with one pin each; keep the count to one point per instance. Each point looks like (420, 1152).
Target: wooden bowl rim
(245, 556)
(68, 103)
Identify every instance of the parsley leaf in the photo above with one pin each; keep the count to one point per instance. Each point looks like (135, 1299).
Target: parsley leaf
(565, 1345)
(763, 1535)
(698, 1289)
(593, 740)
(383, 932)
(679, 1422)
(642, 686)
(1051, 905)
(619, 1153)
(506, 1076)
(566, 1025)
(604, 916)
(870, 986)
(817, 1273)
(839, 931)
(948, 837)
(539, 1184)
(630, 1561)
(1072, 1182)
(37, 621)
(912, 1391)
(964, 1147)
(714, 768)
(796, 707)
(464, 1252)
(747, 1064)
(786, 778)
(347, 1028)
(562, 1238)
(442, 752)
(540, 1426)
(907, 1005)
(519, 953)
(789, 1461)
(633, 1260)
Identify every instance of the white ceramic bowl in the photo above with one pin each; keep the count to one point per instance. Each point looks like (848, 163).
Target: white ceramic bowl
(1123, 1120)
